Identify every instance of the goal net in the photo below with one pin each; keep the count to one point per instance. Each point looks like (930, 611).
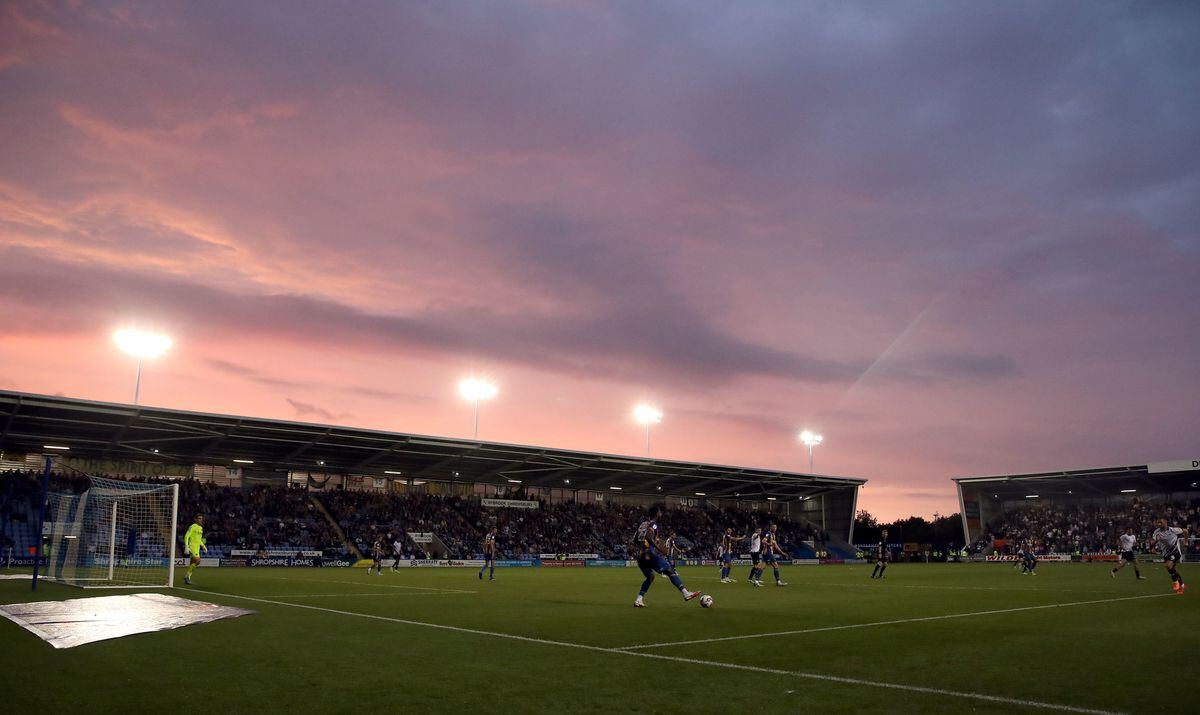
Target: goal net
(114, 534)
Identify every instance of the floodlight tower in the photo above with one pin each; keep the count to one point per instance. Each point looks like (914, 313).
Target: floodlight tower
(474, 390)
(647, 415)
(141, 344)
(810, 440)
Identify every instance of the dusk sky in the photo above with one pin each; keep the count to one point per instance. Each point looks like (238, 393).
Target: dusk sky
(956, 238)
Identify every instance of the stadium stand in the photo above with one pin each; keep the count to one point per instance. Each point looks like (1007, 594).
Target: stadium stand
(1082, 528)
(256, 518)
(276, 518)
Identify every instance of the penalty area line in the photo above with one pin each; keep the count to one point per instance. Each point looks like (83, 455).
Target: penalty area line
(375, 595)
(920, 619)
(691, 661)
(374, 585)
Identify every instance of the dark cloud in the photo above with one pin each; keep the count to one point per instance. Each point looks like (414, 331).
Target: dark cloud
(765, 424)
(935, 367)
(258, 376)
(614, 345)
(254, 375)
(304, 409)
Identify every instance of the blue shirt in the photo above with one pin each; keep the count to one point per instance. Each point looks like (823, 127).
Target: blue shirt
(645, 536)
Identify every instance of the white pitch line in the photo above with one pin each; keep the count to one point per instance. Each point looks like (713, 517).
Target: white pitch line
(891, 584)
(694, 661)
(888, 623)
(377, 595)
(372, 583)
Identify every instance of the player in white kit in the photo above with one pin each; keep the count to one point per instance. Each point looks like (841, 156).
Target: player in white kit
(1167, 541)
(1128, 545)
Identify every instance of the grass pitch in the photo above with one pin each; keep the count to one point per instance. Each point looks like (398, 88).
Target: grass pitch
(939, 638)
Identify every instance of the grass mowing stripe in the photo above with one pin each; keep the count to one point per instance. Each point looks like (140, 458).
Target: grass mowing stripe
(693, 661)
(889, 623)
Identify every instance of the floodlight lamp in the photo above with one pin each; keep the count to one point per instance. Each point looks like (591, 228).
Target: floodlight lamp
(475, 389)
(141, 343)
(647, 415)
(809, 439)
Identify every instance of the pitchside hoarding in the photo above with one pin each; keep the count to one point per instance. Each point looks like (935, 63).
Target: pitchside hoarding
(456, 563)
(274, 553)
(509, 503)
(288, 561)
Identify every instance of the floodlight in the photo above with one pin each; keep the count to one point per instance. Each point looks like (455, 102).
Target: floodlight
(810, 440)
(647, 415)
(141, 344)
(474, 389)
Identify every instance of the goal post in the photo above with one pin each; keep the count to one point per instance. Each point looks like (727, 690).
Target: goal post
(114, 534)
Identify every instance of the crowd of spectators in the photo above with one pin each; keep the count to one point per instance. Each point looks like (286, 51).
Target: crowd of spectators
(598, 528)
(283, 518)
(257, 518)
(18, 490)
(366, 516)
(1085, 528)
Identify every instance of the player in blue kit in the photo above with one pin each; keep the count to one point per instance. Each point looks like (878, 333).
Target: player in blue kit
(725, 554)
(674, 550)
(489, 555)
(772, 550)
(1028, 560)
(651, 558)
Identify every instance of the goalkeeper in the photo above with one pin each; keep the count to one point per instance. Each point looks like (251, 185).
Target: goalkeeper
(193, 542)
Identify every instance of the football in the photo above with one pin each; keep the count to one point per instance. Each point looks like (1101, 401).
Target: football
(706, 601)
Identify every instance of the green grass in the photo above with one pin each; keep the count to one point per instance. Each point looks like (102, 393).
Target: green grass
(1112, 656)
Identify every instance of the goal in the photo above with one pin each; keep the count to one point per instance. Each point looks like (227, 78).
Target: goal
(115, 534)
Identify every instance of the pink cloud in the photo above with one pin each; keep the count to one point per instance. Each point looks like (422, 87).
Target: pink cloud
(948, 261)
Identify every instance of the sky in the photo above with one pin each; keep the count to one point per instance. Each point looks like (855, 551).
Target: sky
(956, 238)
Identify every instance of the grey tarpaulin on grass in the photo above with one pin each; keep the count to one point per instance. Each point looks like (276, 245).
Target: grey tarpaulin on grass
(66, 624)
